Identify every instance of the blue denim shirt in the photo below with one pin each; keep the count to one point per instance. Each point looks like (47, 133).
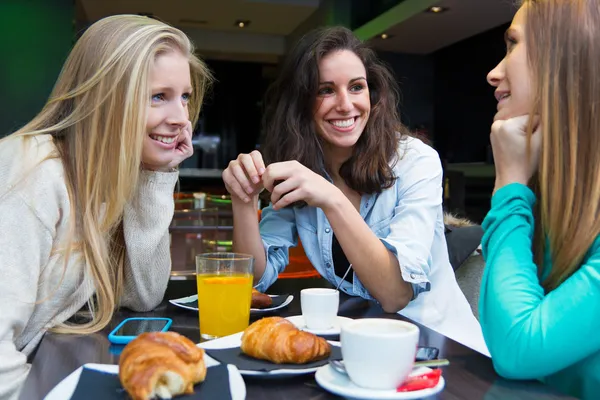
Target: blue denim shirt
(409, 220)
(404, 217)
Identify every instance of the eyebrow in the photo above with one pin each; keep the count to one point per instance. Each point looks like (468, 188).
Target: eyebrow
(169, 89)
(351, 81)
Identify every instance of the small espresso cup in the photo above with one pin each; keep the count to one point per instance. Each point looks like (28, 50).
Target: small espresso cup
(379, 353)
(319, 307)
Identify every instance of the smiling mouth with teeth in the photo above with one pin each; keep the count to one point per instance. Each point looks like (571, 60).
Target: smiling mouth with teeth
(345, 123)
(163, 139)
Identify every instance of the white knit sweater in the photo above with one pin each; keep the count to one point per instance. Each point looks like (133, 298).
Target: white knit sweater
(34, 218)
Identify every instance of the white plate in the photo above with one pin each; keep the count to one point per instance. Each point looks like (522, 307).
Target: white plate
(182, 303)
(66, 387)
(334, 382)
(235, 340)
(298, 321)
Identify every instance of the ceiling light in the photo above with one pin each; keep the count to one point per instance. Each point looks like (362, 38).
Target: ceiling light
(437, 9)
(242, 23)
(384, 35)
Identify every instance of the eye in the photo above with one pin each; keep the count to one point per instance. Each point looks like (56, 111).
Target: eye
(510, 43)
(158, 97)
(186, 97)
(357, 88)
(325, 91)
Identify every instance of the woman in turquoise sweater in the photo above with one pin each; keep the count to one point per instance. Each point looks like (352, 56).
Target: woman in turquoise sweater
(540, 295)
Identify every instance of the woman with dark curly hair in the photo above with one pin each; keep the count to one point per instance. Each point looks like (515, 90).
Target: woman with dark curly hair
(348, 179)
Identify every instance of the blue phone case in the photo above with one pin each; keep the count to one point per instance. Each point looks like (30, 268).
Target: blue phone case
(119, 339)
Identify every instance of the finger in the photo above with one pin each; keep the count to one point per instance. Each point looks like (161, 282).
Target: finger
(289, 198)
(187, 141)
(267, 177)
(247, 162)
(282, 188)
(517, 124)
(240, 176)
(536, 136)
(497, 126)
(275, 173)
(258, 161)
(185, 133)
(234, 186)
(535, 124)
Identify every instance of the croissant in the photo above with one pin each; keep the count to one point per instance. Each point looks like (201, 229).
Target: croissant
(277, 340)
(161, 364)
(260, 300)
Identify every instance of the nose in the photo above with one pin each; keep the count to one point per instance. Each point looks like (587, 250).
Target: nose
(496, 75)
(344, 104)
(178, 114)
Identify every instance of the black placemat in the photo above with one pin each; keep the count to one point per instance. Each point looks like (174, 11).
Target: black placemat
(277, 301)
(235, 356)
(98, 385)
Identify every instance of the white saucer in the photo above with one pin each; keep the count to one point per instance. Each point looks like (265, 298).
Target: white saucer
(298, 320)
(334, 382)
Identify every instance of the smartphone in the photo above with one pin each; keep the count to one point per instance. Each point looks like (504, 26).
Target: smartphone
(130, 328)
(427, 353)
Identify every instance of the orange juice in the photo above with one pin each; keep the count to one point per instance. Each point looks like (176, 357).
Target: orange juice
(223, 303)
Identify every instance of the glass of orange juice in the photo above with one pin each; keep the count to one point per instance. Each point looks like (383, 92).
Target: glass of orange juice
(224, 293)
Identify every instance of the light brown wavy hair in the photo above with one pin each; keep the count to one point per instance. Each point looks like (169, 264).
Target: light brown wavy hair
(563, 49)
(96, 115)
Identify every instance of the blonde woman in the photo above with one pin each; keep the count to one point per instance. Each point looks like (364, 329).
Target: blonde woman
(87, 186)
(540, 294)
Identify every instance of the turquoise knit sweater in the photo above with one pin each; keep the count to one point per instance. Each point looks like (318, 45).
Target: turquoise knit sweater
(553, 337)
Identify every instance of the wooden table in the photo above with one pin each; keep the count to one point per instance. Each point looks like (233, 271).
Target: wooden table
(469, 376)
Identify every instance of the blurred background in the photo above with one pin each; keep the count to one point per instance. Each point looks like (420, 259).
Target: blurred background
(439, 50)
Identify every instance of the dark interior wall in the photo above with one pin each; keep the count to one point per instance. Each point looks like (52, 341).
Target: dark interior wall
(233, 108)
(36, 38)
(464, 102)
(415, 76)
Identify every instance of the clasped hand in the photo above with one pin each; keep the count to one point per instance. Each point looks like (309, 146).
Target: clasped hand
(509, 142)
(287, 181)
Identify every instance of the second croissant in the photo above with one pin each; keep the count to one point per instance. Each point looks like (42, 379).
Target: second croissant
(277, 340)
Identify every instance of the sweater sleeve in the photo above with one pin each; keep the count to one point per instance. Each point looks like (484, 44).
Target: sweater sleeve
(531, 334)
(25, 245)
(146, 226)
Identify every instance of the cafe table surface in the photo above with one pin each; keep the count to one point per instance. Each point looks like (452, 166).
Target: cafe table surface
(470, 375)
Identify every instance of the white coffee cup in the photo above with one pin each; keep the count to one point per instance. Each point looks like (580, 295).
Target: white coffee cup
(319, 307)
(379, 353)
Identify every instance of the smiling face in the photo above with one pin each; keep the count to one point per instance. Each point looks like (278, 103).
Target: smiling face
(171, 88)
(342, 106)
(512, 77)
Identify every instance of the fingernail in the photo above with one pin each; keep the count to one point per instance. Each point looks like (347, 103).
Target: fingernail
(261, 171)
(246, 199)
(255, 179)
(249, 190)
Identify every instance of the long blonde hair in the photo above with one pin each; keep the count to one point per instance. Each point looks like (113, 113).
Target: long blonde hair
(96, 115)
(564, 55)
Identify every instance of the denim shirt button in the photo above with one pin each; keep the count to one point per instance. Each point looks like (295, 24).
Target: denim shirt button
(328, 265)
(413, 276)
(327, 230)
